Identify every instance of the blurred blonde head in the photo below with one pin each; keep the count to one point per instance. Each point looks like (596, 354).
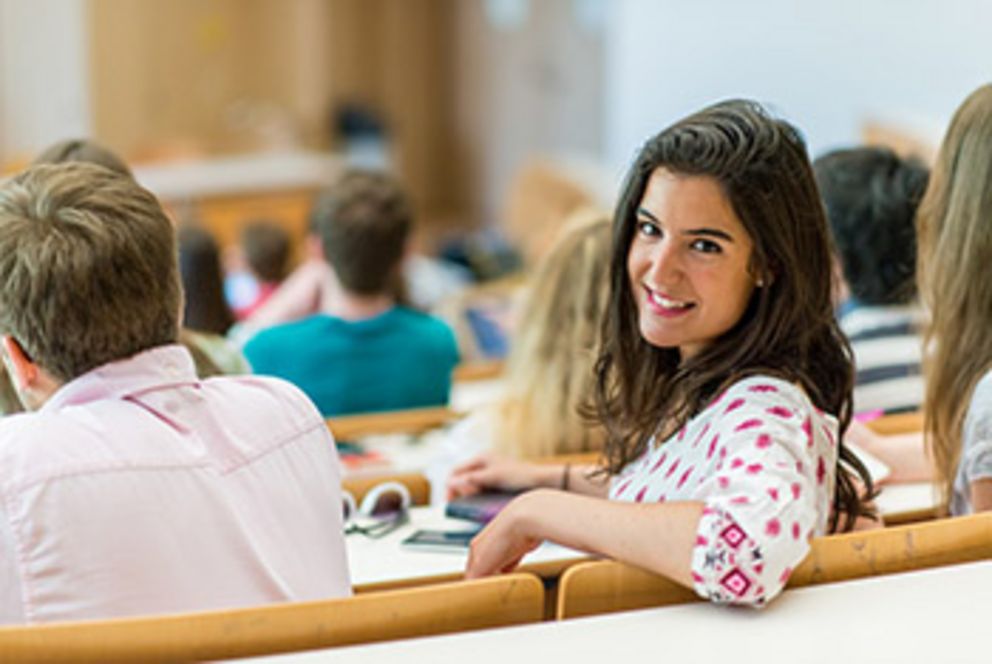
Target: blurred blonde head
(555, 344)
(955, 276)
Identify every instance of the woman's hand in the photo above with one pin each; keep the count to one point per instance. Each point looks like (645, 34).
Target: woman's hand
(495, 473)
(904, 454)
(507, 539)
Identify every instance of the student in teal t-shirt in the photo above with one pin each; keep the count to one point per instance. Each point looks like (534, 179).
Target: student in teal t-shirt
(364, 352)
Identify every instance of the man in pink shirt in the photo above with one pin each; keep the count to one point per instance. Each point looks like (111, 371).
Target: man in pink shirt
(133, 487)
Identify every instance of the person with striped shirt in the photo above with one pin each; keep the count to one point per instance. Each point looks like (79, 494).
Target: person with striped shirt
(871, 195)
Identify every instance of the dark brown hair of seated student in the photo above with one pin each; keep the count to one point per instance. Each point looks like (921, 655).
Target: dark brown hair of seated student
(954, 226)
(204, 306)
(788, 329)
(68, 232)
(364, 221)
(266, 249)
(871, 195)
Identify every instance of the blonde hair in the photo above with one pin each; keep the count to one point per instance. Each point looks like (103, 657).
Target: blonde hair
(550, 367)
(955, 276)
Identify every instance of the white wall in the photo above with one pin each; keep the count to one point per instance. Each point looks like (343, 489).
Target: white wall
(826, 66)
(43, 85)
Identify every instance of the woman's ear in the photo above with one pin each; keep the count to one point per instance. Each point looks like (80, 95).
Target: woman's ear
(763, 275)
(766, 279)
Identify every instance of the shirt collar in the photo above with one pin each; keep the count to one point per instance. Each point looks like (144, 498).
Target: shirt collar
(151, 369)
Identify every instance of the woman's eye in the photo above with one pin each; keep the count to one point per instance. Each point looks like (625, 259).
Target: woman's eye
(647, 228)
(706, 246)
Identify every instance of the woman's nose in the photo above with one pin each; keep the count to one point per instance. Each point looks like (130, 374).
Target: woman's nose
(665, 264)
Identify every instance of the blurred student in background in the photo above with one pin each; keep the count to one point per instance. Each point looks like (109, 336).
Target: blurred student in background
(871, 196)
(955, 231)
(364, 351)
(85, 151)
(258, 265)
(549, 372)
(206, 316)
(133, 486)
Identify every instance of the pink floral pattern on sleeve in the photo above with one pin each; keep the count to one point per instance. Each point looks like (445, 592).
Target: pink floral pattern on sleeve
(761, 458)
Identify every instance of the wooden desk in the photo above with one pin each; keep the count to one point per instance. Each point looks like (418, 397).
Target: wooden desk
(379, 564)
(926, 616)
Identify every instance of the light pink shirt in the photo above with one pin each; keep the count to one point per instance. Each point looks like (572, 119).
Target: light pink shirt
(140, 489)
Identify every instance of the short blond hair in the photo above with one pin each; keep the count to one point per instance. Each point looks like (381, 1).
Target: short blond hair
(88, 264)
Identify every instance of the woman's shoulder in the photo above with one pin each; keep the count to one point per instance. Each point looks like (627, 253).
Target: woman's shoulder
(758, 398)
(978, 421)
(766, 389)
(983, 391)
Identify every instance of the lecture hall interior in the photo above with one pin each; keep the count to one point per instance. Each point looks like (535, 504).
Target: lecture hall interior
(507, 330)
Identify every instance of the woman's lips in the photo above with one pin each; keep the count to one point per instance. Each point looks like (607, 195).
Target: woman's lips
(667, 307)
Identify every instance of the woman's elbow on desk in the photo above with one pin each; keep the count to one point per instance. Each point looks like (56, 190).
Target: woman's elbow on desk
(658, 537)
(686, 541)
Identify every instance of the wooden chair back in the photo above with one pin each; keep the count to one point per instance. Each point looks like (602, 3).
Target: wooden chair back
(608, 586)
(418, 485)
(889, 425)
(475, 370)
(428, 610)
(541, 197)
(413, 421)
(576, 459)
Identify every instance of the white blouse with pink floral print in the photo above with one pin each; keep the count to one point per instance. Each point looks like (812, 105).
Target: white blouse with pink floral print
(762, 458)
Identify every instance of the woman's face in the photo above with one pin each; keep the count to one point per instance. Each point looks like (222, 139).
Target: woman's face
(688, 263)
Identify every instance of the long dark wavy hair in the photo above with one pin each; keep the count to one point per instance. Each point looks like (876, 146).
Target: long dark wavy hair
(788, 328)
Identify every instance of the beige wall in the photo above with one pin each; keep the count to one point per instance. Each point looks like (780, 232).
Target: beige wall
(466, 101)
(524, 89)
(43, 78)
(220, 76)
(223, 76)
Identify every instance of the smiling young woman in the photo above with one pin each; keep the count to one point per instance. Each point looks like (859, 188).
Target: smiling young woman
(723, 380)
(689, 262)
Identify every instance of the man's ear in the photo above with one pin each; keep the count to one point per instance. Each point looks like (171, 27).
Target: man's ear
(23, 368)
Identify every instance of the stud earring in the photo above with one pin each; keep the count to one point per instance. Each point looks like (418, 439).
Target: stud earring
(760, 283)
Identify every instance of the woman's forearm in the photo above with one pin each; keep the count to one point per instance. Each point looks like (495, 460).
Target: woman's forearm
(656, 537)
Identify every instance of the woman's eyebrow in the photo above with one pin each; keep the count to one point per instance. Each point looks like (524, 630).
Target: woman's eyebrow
(711, 232)
(695, 232)
(641, 212)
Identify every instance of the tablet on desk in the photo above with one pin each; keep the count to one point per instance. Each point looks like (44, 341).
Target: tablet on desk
(441, 540)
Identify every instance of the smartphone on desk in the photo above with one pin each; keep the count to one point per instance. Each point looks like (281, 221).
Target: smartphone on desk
(456, 541)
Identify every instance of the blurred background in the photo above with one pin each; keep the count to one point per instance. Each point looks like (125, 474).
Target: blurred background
(488, 109)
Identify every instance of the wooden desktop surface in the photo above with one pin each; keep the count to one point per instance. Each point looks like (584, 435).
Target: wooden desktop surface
(378, 564)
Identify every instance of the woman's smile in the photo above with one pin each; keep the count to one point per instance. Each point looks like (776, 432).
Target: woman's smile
(667, 306)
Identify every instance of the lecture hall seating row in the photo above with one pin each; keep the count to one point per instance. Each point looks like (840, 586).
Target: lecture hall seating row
(585, 588)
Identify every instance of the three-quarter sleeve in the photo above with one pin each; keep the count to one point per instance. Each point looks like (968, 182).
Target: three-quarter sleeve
(767, 493)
